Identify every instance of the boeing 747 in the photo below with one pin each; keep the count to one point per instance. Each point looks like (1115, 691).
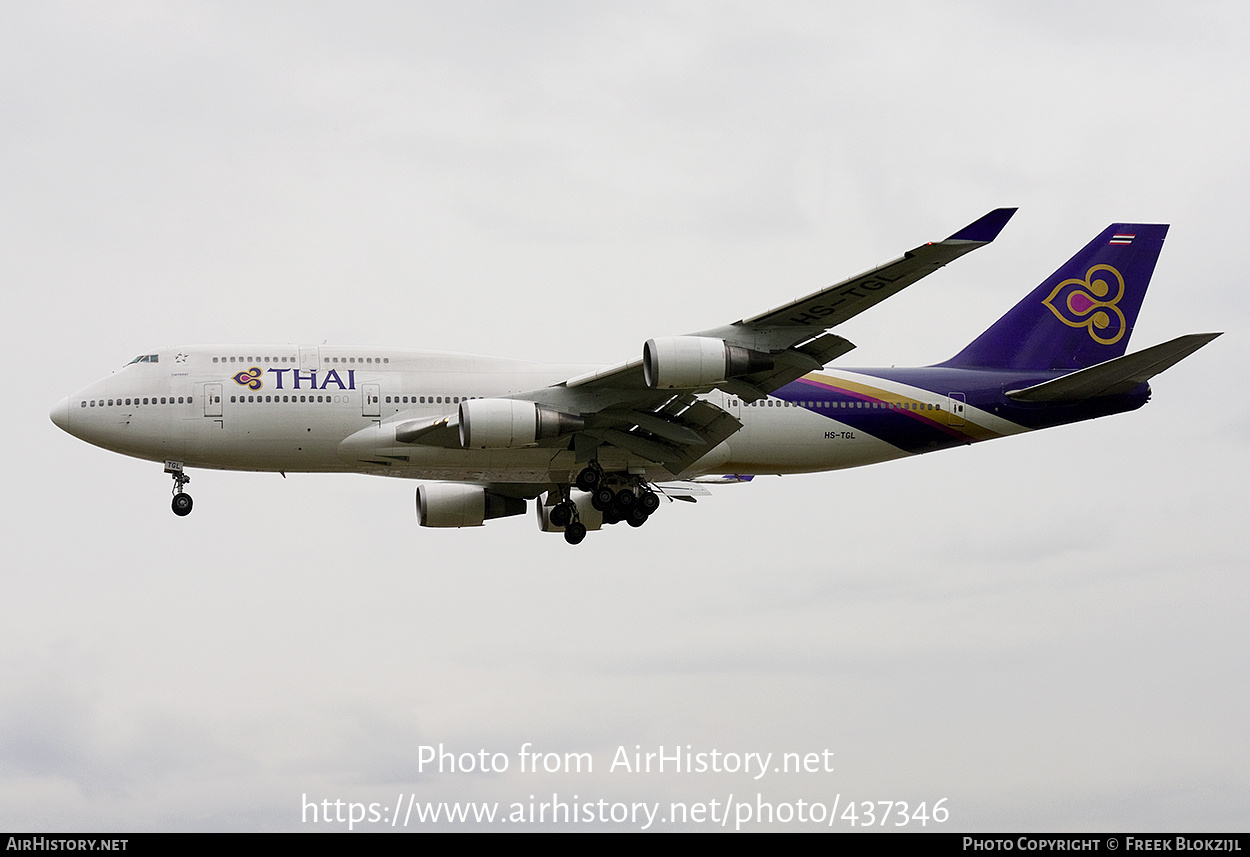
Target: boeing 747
(598, 445)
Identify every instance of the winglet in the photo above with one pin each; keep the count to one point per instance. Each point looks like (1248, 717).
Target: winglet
(986, 229)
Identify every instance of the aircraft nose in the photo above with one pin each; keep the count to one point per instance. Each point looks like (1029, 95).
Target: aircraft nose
(60, 414)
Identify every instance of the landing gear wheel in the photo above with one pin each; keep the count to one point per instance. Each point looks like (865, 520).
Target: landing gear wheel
(602, 498)
(625, 500)
(182, 502)
(611, 516)
(182, 505)
(649, 501)
(575, 532)
(636, 516)
(588, 479)
(562, 513)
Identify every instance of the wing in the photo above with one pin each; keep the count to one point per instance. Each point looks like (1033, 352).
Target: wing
(801, 319)
(651, 406)
(794, 334)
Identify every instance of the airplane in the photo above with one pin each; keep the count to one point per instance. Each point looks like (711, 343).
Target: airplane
(597, 446)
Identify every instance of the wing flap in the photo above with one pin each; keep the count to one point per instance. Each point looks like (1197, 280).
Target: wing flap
(789, 365)
(676, 435)
(686, 491)
(668, 429)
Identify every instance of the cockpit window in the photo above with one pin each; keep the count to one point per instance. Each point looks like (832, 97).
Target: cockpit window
(146, 358)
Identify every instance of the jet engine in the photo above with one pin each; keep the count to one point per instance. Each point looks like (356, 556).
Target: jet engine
(678, 362)
(443, 504)
(509, 423)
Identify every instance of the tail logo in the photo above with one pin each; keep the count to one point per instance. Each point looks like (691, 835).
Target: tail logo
(1091, 303)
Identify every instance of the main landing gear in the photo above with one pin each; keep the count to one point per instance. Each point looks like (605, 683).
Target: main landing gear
(182, 502)
(631, 503)
(564, 514)
(618, 496)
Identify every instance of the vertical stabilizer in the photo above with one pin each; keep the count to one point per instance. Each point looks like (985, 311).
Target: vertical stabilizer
(1081, 315)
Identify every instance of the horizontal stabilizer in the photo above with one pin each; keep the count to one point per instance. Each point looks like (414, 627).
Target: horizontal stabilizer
(1116, 376)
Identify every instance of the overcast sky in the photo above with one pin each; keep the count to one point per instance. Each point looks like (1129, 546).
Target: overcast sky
(1050, 631)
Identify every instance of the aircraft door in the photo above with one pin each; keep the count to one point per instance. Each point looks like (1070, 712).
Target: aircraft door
(372, 402)
(212, 400)
(308, 358)
(955, 414)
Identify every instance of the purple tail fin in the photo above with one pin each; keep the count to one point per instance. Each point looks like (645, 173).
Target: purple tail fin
(1082, 314)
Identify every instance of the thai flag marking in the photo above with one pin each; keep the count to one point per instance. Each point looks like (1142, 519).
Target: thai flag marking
(1123, 238)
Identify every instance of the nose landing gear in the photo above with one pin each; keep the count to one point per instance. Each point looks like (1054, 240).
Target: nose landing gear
(182, 502)
(182, 505)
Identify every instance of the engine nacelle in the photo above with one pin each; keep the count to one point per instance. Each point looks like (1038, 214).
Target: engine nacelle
(509, 423)
(682, 362)
(443, 504)
(591, 517)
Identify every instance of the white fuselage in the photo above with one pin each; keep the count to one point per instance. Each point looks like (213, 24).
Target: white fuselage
(290, 409)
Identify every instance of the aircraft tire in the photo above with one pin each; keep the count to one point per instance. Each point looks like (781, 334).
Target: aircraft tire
(602, 498)
(588, 479)
(575, 532)
(561, 514)
(636, 516)
(649, 501)
(181, 505)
